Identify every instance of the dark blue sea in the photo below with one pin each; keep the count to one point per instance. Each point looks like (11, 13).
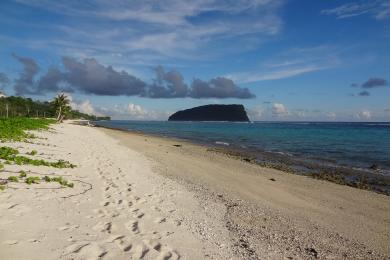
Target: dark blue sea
(355, 145)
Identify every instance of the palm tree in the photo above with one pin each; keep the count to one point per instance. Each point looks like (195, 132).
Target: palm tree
(61, 106)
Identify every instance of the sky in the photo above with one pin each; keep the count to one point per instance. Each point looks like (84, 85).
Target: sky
(284, 60)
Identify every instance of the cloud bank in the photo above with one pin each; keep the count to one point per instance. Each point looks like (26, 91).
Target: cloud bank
(370, 84)
(375, 82)
(152, 30)
(379, 9)
(90, 77)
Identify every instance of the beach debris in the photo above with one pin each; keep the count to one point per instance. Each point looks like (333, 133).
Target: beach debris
(177, 145)
(272, 179)
(311, 251)
(374, 167)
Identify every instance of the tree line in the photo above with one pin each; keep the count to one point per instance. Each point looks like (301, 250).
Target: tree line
(59, 108)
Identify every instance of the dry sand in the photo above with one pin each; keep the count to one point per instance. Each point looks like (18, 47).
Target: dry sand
(118, 209)
(138, 196)
(272, 214)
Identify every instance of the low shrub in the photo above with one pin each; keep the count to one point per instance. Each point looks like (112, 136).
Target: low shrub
(13, 179)
(31, 180)
(22, 174)
(33, 152)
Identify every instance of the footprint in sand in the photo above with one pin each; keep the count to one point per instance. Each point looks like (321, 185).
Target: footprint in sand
(10, 242)
(103, 227)
(85, 250)
(105, 203)
(133, 226)
(160, 220)
(68, 227)
(122, 242)
(140, 251)
(140, 215)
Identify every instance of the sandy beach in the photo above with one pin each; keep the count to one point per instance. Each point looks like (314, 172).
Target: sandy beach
(144, 197)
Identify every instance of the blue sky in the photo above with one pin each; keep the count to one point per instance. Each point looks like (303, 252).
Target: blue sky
(282, 59)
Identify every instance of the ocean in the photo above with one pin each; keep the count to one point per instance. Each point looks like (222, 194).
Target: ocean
(353, 145)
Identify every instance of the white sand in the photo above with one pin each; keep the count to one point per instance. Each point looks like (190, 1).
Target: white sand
(155, 198)
(118, 209)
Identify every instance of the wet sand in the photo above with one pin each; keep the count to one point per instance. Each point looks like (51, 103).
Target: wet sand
(270, 213)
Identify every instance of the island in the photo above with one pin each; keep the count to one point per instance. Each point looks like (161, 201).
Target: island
(232, 113)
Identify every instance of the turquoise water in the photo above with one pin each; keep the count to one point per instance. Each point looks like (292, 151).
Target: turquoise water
(357, 145)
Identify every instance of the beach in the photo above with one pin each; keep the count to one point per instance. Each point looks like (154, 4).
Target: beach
(138, 196)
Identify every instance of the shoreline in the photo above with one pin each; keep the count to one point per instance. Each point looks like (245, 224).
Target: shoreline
(292, 208)
(343, 175)
(137, 196)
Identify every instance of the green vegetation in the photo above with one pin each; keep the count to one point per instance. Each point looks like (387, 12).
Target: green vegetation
(2, 187)
(30, 180)
(61, 105)
(26, 107)
(14, 128)
(13, 179)
(33, 152)
(60, 180)
(1, 166)
(22, 174)
(11, 155)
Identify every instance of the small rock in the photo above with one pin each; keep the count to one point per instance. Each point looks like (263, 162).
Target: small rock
(311, 251)
(374, 166)
(272, 179)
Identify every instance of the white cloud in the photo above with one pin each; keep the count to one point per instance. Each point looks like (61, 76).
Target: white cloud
(292, 63)
(331, 115)
(379, 9)
(132, 111)
(364, 114)
(256, 113)
(167, 28)
(271, 75)
(279, 110)
(128, 111)
(84, 106)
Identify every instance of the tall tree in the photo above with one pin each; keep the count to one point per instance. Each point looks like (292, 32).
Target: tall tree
(61, 105)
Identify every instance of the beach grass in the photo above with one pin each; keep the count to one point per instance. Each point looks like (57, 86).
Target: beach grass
(12, 155)
(14, 129)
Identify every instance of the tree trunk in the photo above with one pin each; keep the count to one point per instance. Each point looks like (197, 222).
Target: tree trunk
(59, 115)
